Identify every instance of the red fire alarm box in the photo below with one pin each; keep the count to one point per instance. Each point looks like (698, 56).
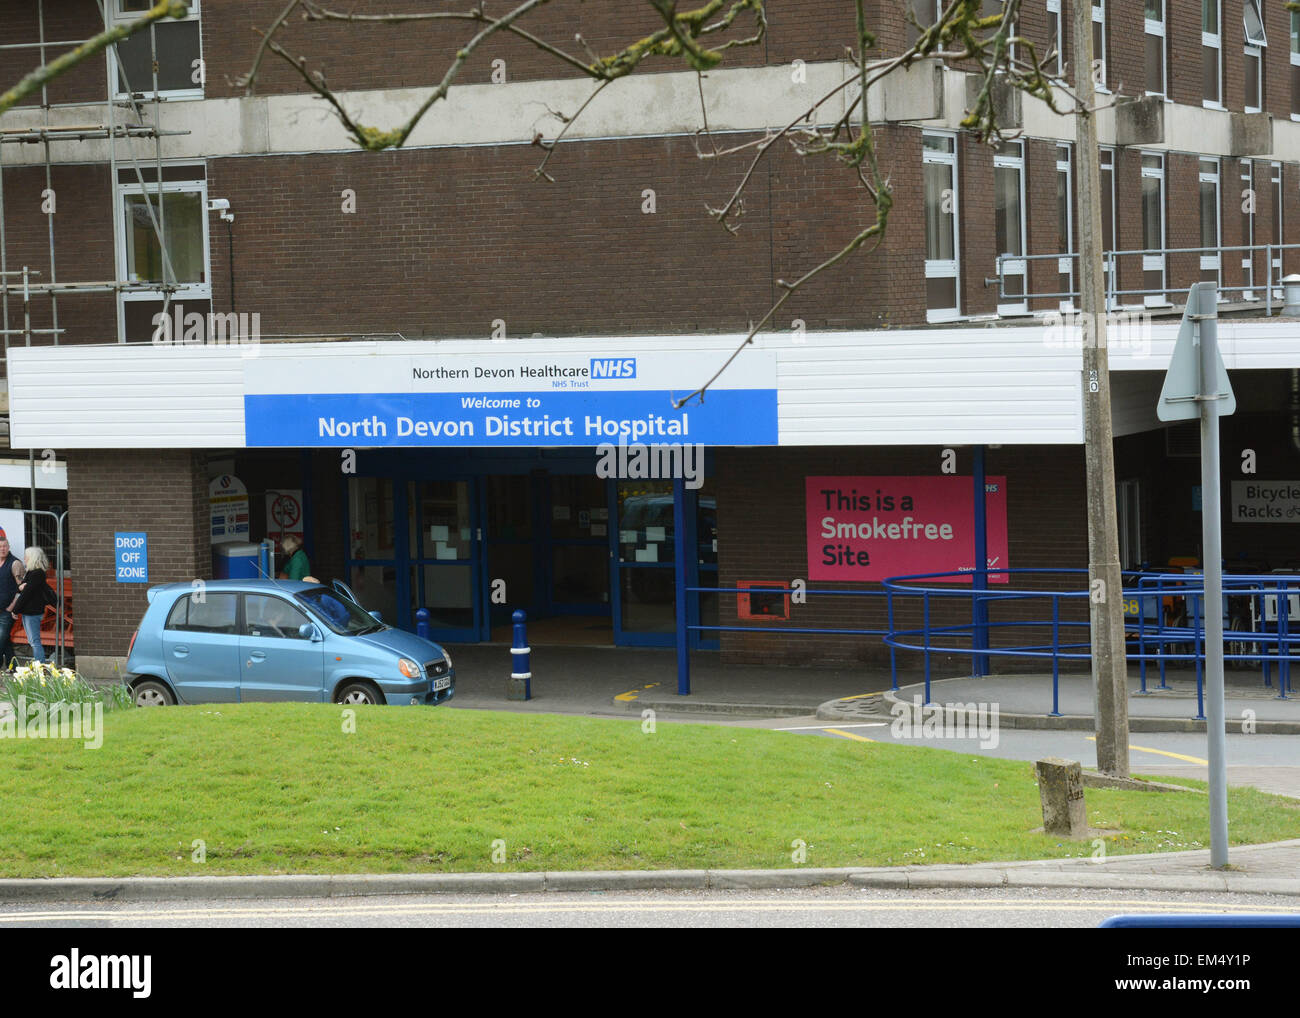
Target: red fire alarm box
(760, 604)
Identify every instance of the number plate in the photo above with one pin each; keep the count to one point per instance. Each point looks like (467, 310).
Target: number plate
(443, 683)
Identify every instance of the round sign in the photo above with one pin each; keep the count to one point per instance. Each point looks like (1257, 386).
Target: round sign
(286, 512)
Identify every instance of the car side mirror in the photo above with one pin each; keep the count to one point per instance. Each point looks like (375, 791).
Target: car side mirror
(308, 632)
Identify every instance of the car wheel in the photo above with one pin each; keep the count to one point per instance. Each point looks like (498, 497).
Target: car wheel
(359, 693)
(152, 694)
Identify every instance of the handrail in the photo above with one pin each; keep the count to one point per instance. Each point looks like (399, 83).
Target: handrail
(1111, 259)
(1164, 615)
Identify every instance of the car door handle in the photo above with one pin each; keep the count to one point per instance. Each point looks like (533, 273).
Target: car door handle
(257, 655)
(181, 651)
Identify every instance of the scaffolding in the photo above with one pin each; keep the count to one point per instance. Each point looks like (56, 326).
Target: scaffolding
(124, 120)
(113, 129)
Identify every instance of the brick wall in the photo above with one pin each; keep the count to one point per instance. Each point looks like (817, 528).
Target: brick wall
(1042, 221)
(761, 536)
(65, 21)
(162, 492)
(977, 235)
(83, 247)
(446, 241)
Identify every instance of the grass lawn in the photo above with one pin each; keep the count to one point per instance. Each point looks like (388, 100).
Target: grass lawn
(280, 788)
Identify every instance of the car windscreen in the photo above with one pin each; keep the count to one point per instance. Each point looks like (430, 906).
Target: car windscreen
(340, 614)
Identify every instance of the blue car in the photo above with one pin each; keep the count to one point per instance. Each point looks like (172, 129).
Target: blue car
(239, 641)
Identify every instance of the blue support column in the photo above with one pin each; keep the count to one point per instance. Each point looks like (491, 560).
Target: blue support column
(980, 581)
(680, 573)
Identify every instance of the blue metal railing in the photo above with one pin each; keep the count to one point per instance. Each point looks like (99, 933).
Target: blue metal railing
(1164, 615)
(683, 663)
(1173, 602)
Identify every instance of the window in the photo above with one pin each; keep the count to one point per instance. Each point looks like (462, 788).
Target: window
(1153, 229)
(1248, 228)
(265, 615)
(926, 13)
(1099, 40)
(1254, 64)
(177, 44)
(939, 159)
(1056, 59)
(996, 8)
(1130, 525)
(1295, 65)
(1211, 55)
(1009, 223)
(1209, 195)
(1065, 224)
(1276, 180)
(179, 216)
(1107, 167)
(208, 613)
(1154, 24)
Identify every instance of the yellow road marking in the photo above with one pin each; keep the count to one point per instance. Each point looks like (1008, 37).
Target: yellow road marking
(862, 696)
(1163, 752)
(712, 904)
(848, 735)
(632, 694)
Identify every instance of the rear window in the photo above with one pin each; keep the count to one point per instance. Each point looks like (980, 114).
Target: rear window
(204, 613)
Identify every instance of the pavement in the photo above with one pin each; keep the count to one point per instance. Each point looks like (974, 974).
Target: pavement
(616, 681)
(604, 681)
(1256, 869)
(1028, 701)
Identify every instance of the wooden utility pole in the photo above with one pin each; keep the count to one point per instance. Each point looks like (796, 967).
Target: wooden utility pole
(1105, 581)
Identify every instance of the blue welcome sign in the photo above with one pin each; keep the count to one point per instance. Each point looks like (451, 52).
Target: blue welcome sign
(426, 395)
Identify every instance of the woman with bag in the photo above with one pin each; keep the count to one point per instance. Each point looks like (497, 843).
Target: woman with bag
(33, 595)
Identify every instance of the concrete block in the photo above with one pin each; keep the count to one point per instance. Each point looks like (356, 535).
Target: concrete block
(956, 877)
(1140, 121)
(1007, 106)
(1060, 788)
(628, 880)
(1251, 134)
(915, 93)
(515, 689)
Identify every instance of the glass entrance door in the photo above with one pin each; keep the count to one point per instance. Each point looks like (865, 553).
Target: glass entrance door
(443, 551)
(510, 539)
(576, 562)
(645, 582)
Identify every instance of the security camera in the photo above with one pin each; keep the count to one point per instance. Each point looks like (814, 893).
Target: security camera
(221, 205)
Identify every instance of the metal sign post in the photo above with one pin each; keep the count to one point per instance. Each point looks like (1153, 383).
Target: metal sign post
(1196, 385)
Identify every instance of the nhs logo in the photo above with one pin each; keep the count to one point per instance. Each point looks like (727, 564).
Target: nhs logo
(613, 367)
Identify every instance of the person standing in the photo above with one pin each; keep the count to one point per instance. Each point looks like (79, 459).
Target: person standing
(296, 565)
(34, 594)
(11, 575)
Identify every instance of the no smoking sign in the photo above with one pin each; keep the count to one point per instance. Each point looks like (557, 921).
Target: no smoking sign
(283, 513)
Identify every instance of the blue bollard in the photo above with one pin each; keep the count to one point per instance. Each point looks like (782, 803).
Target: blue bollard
(422, 623)
(520, 686)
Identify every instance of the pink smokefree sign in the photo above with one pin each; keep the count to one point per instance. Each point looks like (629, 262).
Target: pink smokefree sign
(870, 528)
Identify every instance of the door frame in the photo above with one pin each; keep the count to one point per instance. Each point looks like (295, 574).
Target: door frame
(474, 467)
